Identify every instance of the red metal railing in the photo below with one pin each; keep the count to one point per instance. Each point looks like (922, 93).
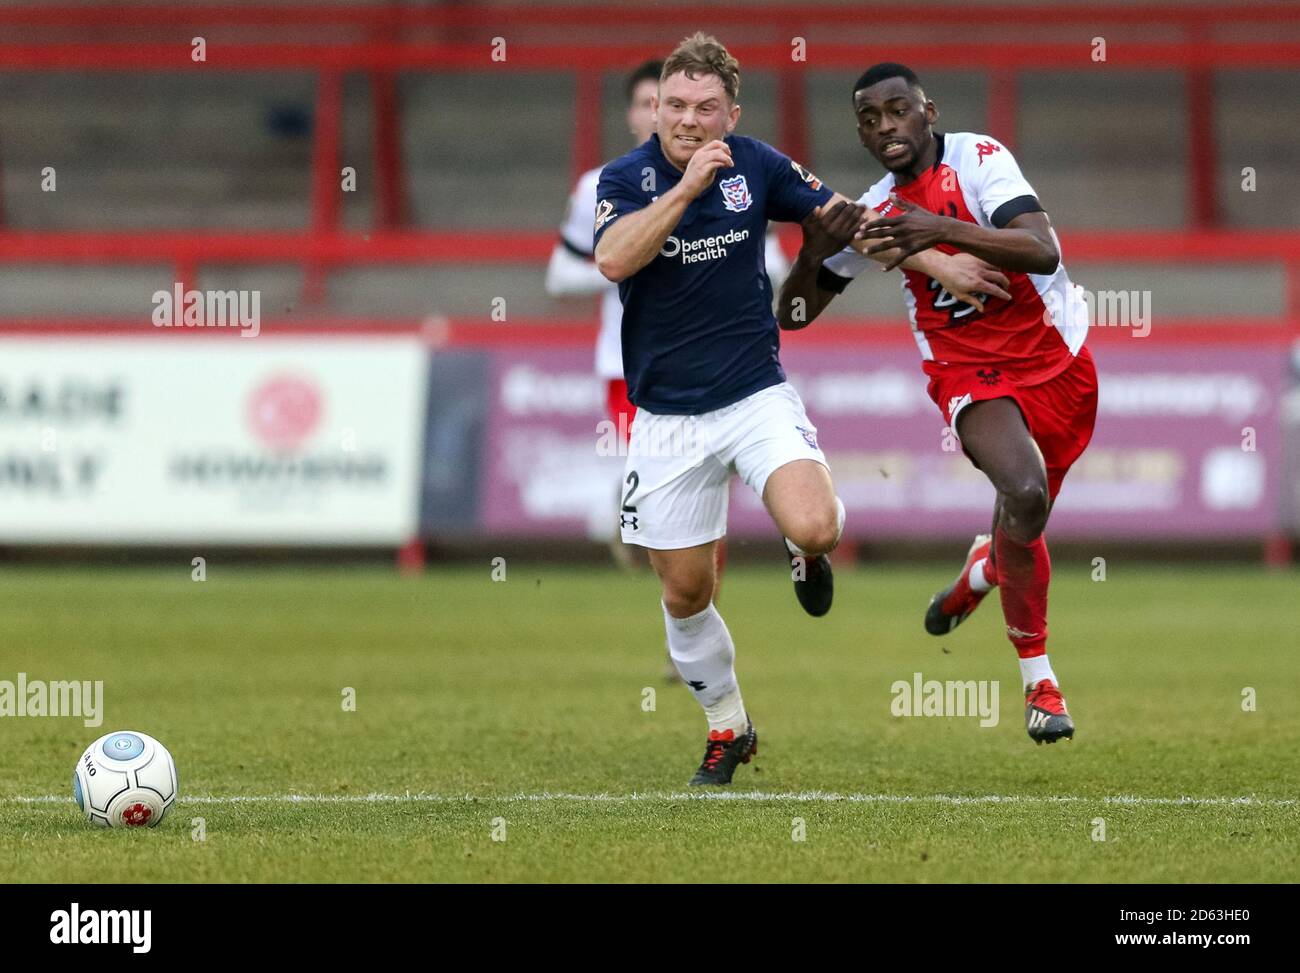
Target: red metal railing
(442, 332)
(676, 16)
(383, 40)
(324, 250)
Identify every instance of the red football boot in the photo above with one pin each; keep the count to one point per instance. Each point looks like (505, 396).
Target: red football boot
(1046, 717)
(949, 608)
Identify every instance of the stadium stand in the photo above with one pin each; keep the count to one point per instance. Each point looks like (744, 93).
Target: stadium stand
(225, 172)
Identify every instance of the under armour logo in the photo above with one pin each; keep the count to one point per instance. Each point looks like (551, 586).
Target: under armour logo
(696, 685)
(625, 521)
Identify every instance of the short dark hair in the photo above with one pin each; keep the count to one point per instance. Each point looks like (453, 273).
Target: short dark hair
(649, 71)
(883, 72)
(701, 55)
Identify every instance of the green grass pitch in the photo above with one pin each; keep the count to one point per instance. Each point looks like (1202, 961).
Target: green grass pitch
(516, 709)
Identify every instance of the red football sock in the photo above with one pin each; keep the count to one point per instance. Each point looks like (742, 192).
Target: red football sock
(1024, 571)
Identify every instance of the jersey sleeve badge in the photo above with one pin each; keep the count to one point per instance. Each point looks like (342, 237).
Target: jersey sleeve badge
(813, 182)
(604, 213)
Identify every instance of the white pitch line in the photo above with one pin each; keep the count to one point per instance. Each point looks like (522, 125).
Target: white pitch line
(814, 797)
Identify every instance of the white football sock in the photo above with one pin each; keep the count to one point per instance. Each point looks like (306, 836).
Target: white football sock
(796, 551)
(1035, 669)
(702, 650)
(978, 582)
(728, 713)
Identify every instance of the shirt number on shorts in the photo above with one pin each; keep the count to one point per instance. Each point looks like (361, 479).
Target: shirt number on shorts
(633, 522)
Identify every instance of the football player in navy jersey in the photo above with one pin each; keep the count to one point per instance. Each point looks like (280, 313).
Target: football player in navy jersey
(679, 226)
(572, 272)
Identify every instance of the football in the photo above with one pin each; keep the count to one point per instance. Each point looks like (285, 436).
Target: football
(125, 779)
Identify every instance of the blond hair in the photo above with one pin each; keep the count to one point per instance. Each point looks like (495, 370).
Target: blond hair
(702, 54)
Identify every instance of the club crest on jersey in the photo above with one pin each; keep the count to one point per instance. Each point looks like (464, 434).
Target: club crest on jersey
(735, 194)
(812, 181)
(809, 436)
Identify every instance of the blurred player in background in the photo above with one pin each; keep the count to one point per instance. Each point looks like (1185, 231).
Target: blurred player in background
(1013, 380)
(572, 273)
(680, 225)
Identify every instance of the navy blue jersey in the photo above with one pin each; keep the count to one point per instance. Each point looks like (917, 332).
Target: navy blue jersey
(698, 327)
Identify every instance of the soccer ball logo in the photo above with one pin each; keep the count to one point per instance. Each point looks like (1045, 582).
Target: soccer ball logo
(125, 779)
(136, 815)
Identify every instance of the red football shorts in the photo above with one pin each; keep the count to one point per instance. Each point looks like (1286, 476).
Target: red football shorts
(1060, 412)
(621, 410)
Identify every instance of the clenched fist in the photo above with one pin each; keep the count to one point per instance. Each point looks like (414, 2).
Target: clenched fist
(704, 165)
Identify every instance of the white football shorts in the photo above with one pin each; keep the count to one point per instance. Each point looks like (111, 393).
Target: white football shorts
(677, 477)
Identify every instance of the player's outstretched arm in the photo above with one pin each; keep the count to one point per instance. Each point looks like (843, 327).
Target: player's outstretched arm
(963, 275)
(1025, 244)
(967, 278)
(826, 231)
(632, 241)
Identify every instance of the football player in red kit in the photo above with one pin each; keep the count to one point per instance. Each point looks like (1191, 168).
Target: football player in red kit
(1014, 380)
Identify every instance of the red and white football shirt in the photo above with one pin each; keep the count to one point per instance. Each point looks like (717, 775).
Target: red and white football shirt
(1035, 335)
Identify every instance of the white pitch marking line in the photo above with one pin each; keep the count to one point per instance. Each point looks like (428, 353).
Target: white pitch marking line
(669, 797)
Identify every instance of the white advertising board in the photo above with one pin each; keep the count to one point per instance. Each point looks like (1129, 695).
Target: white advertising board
(168, 440)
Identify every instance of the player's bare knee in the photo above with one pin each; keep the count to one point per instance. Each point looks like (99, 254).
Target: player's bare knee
(1024, 509)
(823, 539)
(816, 535)
(687, 597)
(686, 604)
